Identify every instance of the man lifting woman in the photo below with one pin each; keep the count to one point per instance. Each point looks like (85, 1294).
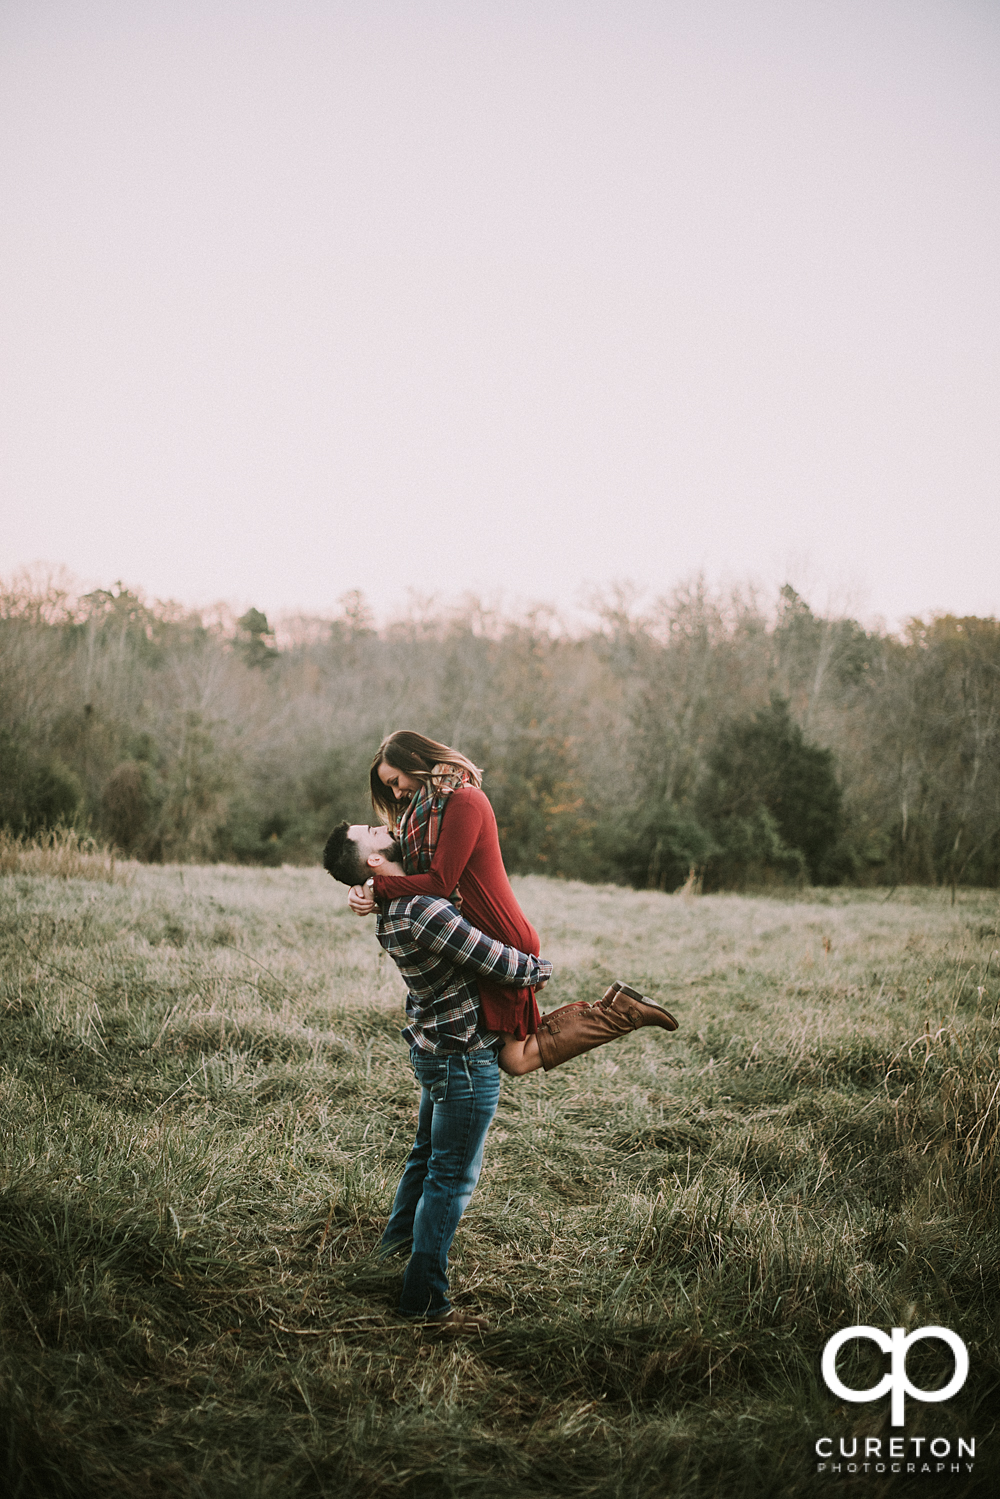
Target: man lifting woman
(432, 872)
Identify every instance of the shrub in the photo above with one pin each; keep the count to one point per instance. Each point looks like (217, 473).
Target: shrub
(658, 847)
(36, 791)
(128, 802)
(770, 795)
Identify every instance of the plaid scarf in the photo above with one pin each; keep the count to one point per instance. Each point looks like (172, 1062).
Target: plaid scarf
(420, 825)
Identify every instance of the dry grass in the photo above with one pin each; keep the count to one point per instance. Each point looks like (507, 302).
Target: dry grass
(206, 1106)
(63, 853)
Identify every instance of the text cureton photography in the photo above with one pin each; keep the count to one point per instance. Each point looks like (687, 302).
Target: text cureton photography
(902, 1455)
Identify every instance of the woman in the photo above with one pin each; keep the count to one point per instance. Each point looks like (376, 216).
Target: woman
(448, 837)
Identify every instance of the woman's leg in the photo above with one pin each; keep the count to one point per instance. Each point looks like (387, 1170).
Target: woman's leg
(518, 1057)
(581, 1027)
(578, 1028)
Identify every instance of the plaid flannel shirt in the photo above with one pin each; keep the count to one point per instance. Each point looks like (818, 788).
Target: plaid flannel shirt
(439, 955)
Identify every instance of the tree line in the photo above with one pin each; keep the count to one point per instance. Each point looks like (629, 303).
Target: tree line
(704, 737)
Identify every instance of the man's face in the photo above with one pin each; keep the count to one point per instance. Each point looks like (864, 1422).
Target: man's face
(377, 847)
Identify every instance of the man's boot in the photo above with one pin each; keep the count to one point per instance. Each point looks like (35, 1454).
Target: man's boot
(574, 1029)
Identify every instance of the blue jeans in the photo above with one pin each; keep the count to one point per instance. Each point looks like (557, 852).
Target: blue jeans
(458, 1099)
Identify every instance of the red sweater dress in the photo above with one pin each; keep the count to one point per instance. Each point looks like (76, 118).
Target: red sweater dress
(468, 853)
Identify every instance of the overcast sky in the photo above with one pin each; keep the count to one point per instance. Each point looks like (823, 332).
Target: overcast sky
(513, 297)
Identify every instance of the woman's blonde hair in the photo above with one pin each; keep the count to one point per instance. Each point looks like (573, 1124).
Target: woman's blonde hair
(417, 756)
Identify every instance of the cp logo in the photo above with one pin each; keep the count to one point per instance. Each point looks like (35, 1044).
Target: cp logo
(897, 1345)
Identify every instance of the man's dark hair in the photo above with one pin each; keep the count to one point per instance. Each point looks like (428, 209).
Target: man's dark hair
(342, 857)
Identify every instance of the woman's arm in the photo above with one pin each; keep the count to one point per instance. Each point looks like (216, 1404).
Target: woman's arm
(461, 826)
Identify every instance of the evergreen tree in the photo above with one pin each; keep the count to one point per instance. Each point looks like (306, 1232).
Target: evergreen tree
(255, 640)
(762, 763)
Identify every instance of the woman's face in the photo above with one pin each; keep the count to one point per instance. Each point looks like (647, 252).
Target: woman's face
(399, 783)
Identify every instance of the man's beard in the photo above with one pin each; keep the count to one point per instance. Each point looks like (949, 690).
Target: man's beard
(394, 853)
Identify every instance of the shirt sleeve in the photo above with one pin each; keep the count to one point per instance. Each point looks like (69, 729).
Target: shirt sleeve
(437, 927)
(461, 826)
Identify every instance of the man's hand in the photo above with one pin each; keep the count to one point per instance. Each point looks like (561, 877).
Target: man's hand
(361, 899)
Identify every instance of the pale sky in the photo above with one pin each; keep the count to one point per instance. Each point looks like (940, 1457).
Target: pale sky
(514, 297)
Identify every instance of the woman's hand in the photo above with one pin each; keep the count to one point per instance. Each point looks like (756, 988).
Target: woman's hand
(361, 899)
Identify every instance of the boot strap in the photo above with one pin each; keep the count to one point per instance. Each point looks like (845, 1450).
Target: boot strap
(550, 1023)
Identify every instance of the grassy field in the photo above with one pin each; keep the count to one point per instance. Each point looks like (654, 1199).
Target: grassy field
(206, 1106)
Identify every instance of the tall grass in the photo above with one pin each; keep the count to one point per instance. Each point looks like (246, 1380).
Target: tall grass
(62, 852)
(206, 1106)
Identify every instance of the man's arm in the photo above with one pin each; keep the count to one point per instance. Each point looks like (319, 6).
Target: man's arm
(437, 927)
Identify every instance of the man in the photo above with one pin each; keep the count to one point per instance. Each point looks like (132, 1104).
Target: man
(454, 1056)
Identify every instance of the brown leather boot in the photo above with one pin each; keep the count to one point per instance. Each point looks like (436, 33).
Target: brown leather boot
(574, 1029)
